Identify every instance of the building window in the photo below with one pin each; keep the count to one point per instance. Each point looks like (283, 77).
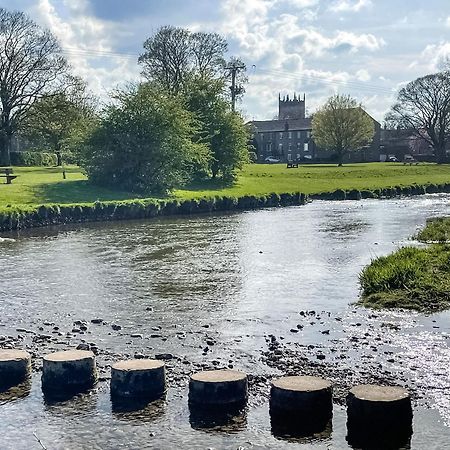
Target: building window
(280, 148)
(269, 148)
(262, 136)
(289, 157)
(298, 155)
(290, 134)
(280, 135)
(308, 134)
(299, 146)
(290, 146)
(299, 134)
(305, 147)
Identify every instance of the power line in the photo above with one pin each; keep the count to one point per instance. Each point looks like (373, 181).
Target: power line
(352, 84)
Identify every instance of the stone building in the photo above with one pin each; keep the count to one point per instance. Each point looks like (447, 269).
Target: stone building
(288, 137)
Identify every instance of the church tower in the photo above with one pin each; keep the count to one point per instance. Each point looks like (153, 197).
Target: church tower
(291, 109)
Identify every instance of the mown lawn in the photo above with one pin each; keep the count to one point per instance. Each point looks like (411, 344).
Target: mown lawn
(37, 185)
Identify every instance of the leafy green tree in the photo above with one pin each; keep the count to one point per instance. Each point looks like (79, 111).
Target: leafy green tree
(145, 143)
(423, 106)
(174, 55)
(61, 120)
(221, 129)
(342, 126)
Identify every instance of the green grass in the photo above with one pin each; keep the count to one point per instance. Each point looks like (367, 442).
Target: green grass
(411, 278)
(436, 230)
(38, 185)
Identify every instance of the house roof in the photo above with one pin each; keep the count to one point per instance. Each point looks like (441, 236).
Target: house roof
(280, 125)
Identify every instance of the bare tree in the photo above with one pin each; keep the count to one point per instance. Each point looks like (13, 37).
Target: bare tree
(174, 55)
(423, 106)
(30, 63)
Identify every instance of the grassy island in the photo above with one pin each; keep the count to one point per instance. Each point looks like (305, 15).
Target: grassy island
(411, 277)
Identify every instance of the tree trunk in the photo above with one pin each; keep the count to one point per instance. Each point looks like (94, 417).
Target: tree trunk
(340, 158)
(58, 158)
(5, 145)
(440, 154)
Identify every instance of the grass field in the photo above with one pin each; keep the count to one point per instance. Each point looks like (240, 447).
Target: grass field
(38, 185)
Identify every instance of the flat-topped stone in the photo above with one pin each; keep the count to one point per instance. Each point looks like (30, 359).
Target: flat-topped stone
(138, 379)
(138, 364)
(218, 387)
(375, 393)
(69, 355)
(219, 376)
(13, 355)
(301, 383)
(300, 405)
(15, 367)
(69, 372)
(378, 415)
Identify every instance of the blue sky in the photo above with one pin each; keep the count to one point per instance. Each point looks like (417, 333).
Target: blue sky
(365, 48)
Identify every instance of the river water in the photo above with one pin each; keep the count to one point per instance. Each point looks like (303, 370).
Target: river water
(225, 283)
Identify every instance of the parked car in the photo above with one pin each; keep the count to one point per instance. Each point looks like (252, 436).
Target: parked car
(408, 159)
(271, 160)
(392, 159)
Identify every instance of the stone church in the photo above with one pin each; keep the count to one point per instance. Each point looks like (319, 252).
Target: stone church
(288, 137)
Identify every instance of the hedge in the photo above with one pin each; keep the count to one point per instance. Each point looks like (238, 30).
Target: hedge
(33, 159)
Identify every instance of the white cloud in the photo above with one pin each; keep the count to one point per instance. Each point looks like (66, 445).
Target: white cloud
(88, 44)
(350, 5)
(435, 54)
(363, 75)
(447, 22)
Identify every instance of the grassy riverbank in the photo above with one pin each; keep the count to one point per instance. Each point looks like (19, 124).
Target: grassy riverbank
(412, 278)
(42, 185)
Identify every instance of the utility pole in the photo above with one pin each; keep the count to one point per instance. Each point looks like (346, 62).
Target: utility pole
(234, 67)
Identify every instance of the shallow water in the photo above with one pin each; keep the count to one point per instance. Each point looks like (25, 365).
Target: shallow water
(232, 279)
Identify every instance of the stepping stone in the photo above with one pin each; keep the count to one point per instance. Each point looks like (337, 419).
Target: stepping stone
(15, 367)
(68, 372)
(301, 404)
(378, 414)
(140, 379)
(218, 387)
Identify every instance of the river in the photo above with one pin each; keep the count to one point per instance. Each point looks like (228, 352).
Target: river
(232, 280)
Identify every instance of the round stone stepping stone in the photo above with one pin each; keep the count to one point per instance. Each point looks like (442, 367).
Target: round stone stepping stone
(303, 404)
(218, 387)
(15, 367)
(378, 413)
(68, 372)
(140, 379)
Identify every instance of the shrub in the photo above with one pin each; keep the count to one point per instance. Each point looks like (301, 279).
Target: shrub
(33, 159)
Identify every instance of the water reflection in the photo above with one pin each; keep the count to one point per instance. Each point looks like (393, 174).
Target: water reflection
(293, 430)
(138, 412)
(71, 404)
(19, 391)
(221, 419)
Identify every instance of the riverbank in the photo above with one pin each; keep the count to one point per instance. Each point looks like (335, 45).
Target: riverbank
(75, 200)
(412, 278)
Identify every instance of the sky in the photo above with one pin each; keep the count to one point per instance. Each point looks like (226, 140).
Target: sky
(365, 48)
